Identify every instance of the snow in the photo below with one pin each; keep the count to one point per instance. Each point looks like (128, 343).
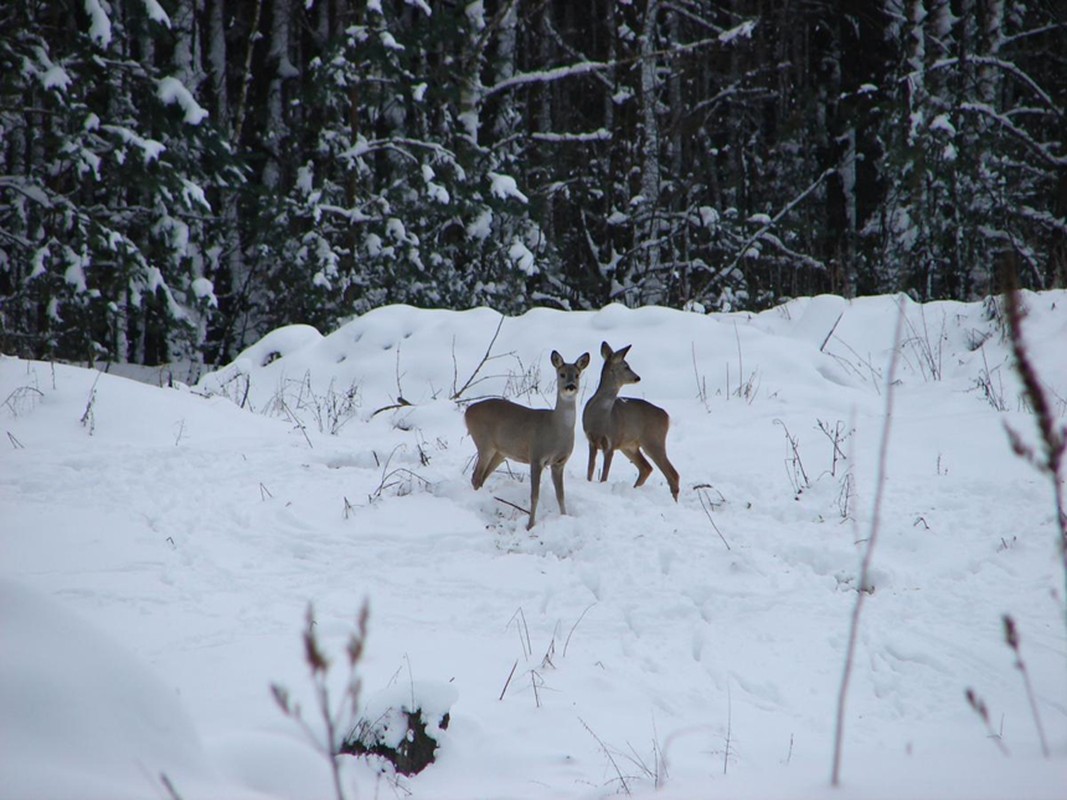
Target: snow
(383, 709)
(742, 31)
(943, 123)
(504, 186)
(522, 257)
(82, 716)
(709, 217)
(75, 271)
(99, 23)
(55, 78)
(194, 195)
(435, 191)
(160, 547)
(50, 75)
(150, 148)
(172, 91)
(389, 41)
(156, 13)
(482, 225)
(422, 5)
(204, 290)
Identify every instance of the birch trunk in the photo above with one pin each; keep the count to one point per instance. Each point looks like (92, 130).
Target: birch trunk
(216, 52)
(187, 44)
(277, 132)
(648, 232)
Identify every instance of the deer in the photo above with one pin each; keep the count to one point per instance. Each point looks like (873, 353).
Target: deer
(626, 423)
(540, 437)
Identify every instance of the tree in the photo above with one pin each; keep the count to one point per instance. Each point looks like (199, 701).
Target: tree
(106, 225)
(974, 157)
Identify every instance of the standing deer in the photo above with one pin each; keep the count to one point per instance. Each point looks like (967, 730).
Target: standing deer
(539, 437)
(625, 423)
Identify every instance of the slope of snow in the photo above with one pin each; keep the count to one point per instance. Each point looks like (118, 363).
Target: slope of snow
(636, 645)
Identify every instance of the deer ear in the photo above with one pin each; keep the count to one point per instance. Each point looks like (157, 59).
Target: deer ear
(605, 350)
(557, 359)
(621, 353)
(583, 361)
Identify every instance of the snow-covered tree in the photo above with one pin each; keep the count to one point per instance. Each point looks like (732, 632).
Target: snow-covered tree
(396, 199)
(974, 148)
(106, 227)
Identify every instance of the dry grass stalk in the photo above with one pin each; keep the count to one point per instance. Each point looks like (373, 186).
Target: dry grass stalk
(865, 564)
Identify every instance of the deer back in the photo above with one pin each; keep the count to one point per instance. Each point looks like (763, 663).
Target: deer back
(520, 433)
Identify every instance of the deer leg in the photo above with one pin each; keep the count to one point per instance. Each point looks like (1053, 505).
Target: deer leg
(485, 467)
(644, 469)
(592, 461)
(535, 491)
(609, 453)
(557, 479)
(658, 454)
(477, 479)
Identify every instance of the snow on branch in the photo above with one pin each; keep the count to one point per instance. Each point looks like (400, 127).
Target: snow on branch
(546, 76)
(985, 110)
(600, 135)
(1006, 66)
(1043, 218)
(156, 13)
(742, 31)
(770, 223)
(504, 186)
(400, 145)
(150, 148)
(99, 23)
(173, 92)
(51, 76)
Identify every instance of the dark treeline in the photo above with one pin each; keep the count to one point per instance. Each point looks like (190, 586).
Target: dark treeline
(178, 177)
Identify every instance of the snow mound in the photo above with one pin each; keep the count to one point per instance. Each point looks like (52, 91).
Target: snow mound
(80, 717)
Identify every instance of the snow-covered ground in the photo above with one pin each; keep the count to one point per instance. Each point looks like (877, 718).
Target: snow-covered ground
(159, 548)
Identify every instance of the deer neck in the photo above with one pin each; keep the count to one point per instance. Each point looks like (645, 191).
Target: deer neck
(605, 393)
(565, 406)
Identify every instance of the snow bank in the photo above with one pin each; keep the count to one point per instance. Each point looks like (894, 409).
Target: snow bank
(80, 717)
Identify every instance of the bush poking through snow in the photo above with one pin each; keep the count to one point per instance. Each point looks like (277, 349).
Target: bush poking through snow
(401, 737)
(404, 725)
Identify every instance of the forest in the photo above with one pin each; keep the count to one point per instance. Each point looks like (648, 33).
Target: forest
(179, 177)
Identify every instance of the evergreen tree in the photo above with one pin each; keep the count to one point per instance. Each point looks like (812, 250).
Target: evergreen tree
(106, 226)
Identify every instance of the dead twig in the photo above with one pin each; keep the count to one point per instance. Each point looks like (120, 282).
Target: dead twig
(610, 757)
(705, 503)
(517, 507)
(1011, 636)
(457, 393)
(507, 683)
(570, 633)
(868, 554)
(979, 706)
(400, 403)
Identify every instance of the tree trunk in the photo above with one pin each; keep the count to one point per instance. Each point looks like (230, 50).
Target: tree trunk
(648, 231)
